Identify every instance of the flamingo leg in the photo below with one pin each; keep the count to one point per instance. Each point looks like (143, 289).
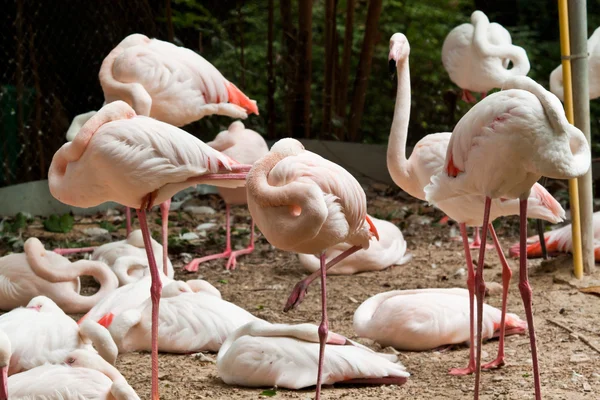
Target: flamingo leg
(471, 286)
(483, 94)
(468, 97)
(4, 383)
(155, 292)
(525, 290)
(128, 220)
(324, 327)
(506, 275)
(480, 293)
(234, 254)
(476, 244)
(164, 211)
(64, 252)
(193, 265)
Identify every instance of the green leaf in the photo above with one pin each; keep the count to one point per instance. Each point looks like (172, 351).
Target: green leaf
(108, 226)
(62, 224)
(269, 393)
(224, 281)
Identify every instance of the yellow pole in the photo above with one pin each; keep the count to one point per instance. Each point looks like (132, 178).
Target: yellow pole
(565, 50)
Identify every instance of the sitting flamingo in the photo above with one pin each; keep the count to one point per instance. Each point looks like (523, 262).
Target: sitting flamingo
(425, 319)
(280, 355)
(38, 272)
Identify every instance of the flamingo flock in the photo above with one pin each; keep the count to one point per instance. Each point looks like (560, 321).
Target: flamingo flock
(132, 152)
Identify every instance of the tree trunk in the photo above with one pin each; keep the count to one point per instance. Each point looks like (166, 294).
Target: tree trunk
(364, 69)
(301, 125)
(242, 82)
(330, 21)
(270, 76)
(169, 17)
(342, 95)
(289, 63)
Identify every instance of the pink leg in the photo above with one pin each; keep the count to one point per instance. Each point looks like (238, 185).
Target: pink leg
(444, 220)
(525, 290)
(64, 252)
(506, 275)
(324, 327)
(476, 244)
(480, 293)
(4, 383)
(471, 286)
(232, 258)
(164, 212)
(468, 97)
(193, 265)
(128, 220)
(155, 291)
(483, 94)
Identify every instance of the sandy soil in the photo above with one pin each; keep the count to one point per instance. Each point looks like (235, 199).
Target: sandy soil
(261, 283)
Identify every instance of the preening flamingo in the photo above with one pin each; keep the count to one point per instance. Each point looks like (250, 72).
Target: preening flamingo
(557, 241)
(280, 355)
(37, 271)
(425, 319)
(136, 161)
(304, 203)
(389, 250)
(593, 46)
(84, 375)
(42, 333)
(244, 146)
(477, 55)
(499, 149)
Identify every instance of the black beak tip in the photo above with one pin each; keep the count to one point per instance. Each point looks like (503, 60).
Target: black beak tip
(392, 68)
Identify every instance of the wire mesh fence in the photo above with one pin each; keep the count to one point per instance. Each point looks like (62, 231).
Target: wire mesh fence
(50, 55)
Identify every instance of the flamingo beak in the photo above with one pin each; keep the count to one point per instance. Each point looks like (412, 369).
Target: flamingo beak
(372, 227)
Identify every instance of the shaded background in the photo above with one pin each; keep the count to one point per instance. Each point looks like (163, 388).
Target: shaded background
(318, 69)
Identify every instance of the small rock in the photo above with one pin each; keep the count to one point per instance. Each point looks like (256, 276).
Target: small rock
(433, 266)
(352, 299)
(460, 272)
(189, 236)
(199, 210)
(596, 376)
(587, 387)
(484, 354)
(206, 226)
(573, 336)
(95, 231)
(187, 257)
(497, 378)
(579, 358)
(438, 243)
(111, 212)
(493, 288)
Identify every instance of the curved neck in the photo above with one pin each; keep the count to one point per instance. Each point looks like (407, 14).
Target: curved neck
(101, 340)
(364, 313)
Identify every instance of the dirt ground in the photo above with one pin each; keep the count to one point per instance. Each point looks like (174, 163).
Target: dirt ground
(570, 369)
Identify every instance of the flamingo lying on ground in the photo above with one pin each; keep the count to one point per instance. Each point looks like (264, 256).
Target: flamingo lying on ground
(280, 355)
(465, 207)
(593, 46)
(306, 204)
(425, 319)
(136, 161)
(389, 250)
(36, 272)
(477, 55)
(245, 146)
(42, 333)
(558, 241)
(127, 258)
(499, 149)
(84, 375)
(188, 322)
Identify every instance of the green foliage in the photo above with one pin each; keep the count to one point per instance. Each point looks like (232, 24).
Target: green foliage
(62, 224)
(108, 226)
(19, 223)
(269, 393)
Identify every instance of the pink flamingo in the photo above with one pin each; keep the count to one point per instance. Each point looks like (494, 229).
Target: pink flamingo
(499, 149)
(245, 146)
(136, 161)
(5, 353)
(304, 203)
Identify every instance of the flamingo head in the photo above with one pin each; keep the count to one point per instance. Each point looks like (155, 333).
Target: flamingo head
(287, 147)
(175, 288)
(514, 326)
(43, 304)
(399, 50)
(478, 16)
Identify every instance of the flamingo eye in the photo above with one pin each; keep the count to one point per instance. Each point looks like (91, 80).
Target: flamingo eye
(70, 360)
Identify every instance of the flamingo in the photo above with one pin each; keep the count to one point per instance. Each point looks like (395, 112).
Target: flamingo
(36, 272)
(245, 146)
(499, 149)
(477, 55)
(427, 160)
(127, 258)
(84, 375)
(5, 353)
(264, 354)
(425, 319)
(556, 77)
(557, 241)
(42, 333)
(389, 250)
(304, 203)
(189, 322)
(136, 161)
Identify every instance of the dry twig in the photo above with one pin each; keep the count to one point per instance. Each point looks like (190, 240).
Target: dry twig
(577, 335)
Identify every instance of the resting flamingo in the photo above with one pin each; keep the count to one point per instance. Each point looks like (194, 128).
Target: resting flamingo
(499, 149)
(389, 250)
(426, 319)
(427, 160)
(136, 161)
(477, 55)
(245, 146)
(304, 203)
(42, 333)
(37, 271)
(280, 355)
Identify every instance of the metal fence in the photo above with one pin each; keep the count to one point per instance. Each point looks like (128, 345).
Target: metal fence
(50, 55)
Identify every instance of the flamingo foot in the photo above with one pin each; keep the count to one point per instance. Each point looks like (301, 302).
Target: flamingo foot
(388, 380)
(231, 263)
(473, 245)
(192, 266)
(468, 97)
(297, 295)
(445, 348)
(444, 220)
(64, 252)
(462, 371)
(497, 363)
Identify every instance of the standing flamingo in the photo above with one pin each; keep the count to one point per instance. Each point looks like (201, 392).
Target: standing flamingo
(245, 146)
(136, 161)
(306, 204)
(499, 149)
(427, 160)
(477, 55)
